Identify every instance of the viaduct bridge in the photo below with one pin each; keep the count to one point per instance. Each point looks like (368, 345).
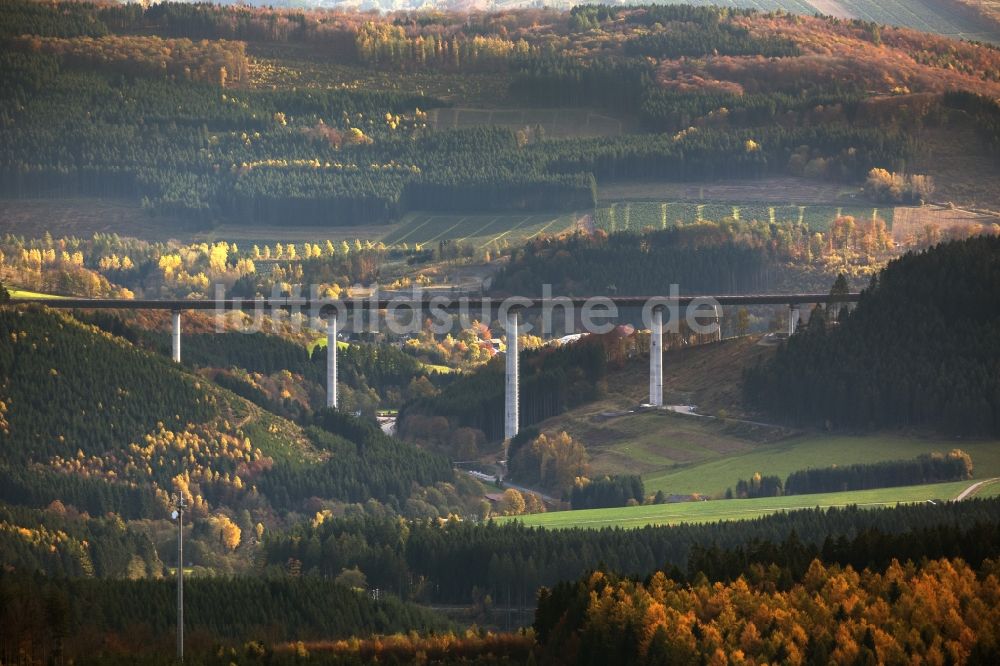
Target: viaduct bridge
(509, 309)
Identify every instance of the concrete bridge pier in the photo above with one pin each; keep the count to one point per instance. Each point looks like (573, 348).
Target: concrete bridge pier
(793, 318)
(176, 336)
(511, 394)
(656, 358)
(331, 361)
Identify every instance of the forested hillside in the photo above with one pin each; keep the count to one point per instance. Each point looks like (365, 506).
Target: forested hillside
(463, 560)
(919, 351)
(280, 373)
(266, 157)
(58, 542)
(100, 620)
(350, 460)
(94, 425)
(127, 102)
(830, 614)
(728, 256)
(552, 380)
(186, 150)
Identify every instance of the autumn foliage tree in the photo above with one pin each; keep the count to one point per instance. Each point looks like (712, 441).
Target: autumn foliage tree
(940, 610)
(552, 461)
(889, 187)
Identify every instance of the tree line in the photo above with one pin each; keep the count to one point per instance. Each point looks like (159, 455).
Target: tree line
(105, 619)
(55, 617)
(672, 111)
(608, 491)
(219, 62)
(925, 468)
(239, 156)
(454, 562)
(703, 258)
(104, 388)
(682, 39)
(896, 614)
(58, 542)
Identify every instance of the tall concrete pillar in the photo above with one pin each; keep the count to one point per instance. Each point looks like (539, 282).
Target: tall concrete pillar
(176, 336)
(793, 319)
(511, 396)
(656, 359)
(331, 361)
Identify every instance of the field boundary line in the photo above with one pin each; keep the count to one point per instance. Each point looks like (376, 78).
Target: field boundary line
(514, 228)
(412, 230)
(474, 234)
(460, 220)
(542, 230)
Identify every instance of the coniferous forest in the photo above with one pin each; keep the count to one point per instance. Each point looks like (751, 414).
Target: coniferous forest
(918, 351)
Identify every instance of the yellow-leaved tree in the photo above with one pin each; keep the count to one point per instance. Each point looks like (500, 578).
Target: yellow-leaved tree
(229, 533)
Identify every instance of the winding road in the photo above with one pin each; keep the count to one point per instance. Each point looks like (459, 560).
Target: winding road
(971, 490)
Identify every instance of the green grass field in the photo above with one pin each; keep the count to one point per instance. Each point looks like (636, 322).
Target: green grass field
(440, 369)
(740, 509)
(989, 490)
(638, 215)
(320, 343)
(685, 454)
(712, 475)
(23, 293)
(479, 230)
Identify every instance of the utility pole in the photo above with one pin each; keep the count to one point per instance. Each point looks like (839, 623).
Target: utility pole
(179, 515)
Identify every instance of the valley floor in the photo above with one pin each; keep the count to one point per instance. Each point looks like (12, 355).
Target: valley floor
(688, 454)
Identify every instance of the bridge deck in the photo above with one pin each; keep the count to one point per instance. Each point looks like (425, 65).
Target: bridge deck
(437, 302)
